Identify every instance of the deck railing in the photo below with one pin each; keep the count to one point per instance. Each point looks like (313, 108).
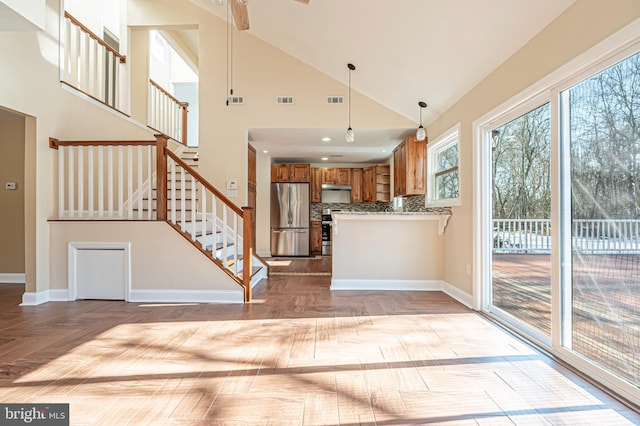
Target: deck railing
(167, 114)
(143, 180)
(588, 235)
(90, 64)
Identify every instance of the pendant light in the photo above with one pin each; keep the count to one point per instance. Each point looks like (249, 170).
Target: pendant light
(421, 133)
(350, 137)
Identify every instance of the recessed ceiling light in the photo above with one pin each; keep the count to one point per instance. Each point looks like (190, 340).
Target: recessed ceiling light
(326, 139)
(265, 151)
(325, 158)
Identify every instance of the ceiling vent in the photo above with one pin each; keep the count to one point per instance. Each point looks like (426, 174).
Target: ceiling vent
(335, 99)
(235, 100)
(285, 100)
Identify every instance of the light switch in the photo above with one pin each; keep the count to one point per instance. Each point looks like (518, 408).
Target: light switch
(10, 185)
(232, 184)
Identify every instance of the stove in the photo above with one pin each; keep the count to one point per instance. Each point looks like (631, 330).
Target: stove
(326, 232)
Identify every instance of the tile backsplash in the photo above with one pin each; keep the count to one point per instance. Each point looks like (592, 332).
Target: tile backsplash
(414, 203)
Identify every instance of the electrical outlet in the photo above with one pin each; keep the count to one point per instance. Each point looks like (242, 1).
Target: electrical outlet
(10, 185)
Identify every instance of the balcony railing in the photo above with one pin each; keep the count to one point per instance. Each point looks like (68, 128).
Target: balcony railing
(167, 114)
(91, 65)
(588, 235)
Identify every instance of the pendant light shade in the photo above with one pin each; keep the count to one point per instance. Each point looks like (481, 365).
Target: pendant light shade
(350, 136)
(421, 133)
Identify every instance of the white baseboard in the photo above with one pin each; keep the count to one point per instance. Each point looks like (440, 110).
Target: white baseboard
(12, 278)
(264, 254)
(461, 296)
(404, 285)
(186, 296)
(40, 297)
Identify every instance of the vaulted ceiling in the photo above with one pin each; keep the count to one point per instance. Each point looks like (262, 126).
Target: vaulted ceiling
(405, 50)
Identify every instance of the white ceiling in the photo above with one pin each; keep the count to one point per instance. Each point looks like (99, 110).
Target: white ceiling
(405, 51)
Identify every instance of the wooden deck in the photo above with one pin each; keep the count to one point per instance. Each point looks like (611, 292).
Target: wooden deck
(606, 303)
(299, 354)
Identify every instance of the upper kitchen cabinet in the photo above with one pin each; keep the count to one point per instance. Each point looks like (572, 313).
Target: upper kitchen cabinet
(336, 176)
(376, 182)
(410, 167)
(316, 185)
(300, 173)
(290, 172)
(356, 185)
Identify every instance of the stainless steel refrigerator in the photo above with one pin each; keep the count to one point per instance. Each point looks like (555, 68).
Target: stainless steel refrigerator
(290, 219)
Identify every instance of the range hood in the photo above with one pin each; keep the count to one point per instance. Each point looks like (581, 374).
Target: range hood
(329, 187)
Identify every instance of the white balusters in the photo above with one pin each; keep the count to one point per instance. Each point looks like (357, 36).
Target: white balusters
(203, 219)
(110, 180)
(165, 112)
(71, 181)
(89, 65)
(183, 199)
(149, 186)
(80, 181)
(130, 182)
(100, 182)
(194, 208)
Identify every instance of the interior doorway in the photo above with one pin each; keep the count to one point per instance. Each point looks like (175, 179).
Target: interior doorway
(12, 196)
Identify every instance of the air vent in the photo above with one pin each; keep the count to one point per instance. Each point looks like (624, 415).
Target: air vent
(285, 100)
(335, 99)
(235, 100)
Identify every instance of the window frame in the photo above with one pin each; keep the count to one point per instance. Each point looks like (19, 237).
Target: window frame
(443, 142)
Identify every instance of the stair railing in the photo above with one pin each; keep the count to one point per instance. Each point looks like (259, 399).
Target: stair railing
(167, 114)
(143, 180)
(90, 64)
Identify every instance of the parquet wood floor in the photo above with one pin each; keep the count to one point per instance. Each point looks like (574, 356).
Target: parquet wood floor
(299, 354)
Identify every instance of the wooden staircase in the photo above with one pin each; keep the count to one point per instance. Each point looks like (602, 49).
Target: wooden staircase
(173, 192)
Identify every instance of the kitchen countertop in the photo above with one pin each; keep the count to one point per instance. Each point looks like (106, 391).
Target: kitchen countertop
(441, 217)
(396, 213)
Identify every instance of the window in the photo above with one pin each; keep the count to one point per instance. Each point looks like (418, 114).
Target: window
(443, 174)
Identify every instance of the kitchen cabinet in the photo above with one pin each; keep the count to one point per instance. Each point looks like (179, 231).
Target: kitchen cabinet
(376, 181)
(329, 175)
(316, 185)
(343, 176)
(290, 172)
(410, 167)
(336, 176)
(300, 173)
(316, 237)
(356, 185)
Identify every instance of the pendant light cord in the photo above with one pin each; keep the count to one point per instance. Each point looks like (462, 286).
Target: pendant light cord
(349, 97)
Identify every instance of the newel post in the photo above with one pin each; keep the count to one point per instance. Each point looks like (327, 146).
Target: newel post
(247, 251)
(161, 177)
(185, 111)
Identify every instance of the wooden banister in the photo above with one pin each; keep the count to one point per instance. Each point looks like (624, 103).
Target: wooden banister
(55, 143)
(91, 34)
(161, 177)
(204, 182)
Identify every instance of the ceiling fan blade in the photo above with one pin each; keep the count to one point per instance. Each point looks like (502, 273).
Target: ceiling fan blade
(303, 1)
(240, 14)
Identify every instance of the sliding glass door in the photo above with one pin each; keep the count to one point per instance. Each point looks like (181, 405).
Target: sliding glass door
(520, 221)
(601, 116)
(559, 221)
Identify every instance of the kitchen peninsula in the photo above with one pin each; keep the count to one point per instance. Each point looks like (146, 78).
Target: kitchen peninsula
(388, 250)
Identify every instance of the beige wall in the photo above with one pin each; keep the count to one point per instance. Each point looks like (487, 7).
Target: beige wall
(160, 258)
(30, 84)
(12, 142)
(580, 27)
(395, 249)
